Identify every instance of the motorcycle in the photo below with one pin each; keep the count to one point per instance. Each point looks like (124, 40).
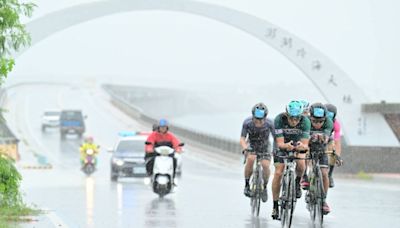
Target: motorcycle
(89, 165)
(163, 171)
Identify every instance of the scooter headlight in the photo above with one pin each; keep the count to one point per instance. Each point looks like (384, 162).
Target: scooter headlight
(89, 152)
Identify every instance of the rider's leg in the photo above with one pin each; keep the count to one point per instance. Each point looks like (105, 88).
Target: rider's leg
(248, 170)
(276, 182)
(265, 164)
(300, 167)
(325, 179)
(332, 161)
(324, 164)
(276, 186)
(304, 180)
(149, 164)
(175, 162)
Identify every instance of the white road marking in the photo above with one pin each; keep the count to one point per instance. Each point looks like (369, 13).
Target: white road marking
(55, 219)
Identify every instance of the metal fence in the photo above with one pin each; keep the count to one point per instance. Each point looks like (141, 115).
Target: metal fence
(121, 98)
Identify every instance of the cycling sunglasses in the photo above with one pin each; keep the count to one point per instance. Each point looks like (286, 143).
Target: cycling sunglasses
(295, 118)
(317, 121)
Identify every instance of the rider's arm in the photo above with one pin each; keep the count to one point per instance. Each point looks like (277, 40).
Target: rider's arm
(280, 142)
(279, 138)
(243, 143)
(305, 135)
(243, 136)
(150, 148)
(175, 143)
(328, 126)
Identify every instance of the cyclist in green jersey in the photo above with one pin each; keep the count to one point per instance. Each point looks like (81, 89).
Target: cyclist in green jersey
(321, 128)
(292, 133)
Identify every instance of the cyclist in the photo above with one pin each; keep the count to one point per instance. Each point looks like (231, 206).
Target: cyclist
(292, 132)
(306, 107)
(255, 134)
(321, 128)
(334, 143)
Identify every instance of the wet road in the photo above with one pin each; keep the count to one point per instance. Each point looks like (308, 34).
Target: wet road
(208, 195)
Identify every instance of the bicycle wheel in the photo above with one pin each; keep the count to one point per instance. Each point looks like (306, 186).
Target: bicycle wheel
(288, 200)
(283, 200)
(292, 199)
(319, 215)
(312, 197)
(255, 197)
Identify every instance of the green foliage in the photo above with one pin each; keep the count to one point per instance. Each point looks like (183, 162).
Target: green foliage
(9, 184)
(12, 33)
(364, 176)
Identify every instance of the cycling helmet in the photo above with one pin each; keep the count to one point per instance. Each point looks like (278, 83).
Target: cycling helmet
(306, 105)
(294, 109)
(332, 110)
(259, 111)
(163, 123)
(155, 127)
(318, 110)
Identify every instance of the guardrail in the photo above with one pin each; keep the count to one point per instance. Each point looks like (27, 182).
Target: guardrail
(121, 100)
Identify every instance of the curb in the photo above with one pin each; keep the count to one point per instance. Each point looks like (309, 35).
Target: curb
(47, 166)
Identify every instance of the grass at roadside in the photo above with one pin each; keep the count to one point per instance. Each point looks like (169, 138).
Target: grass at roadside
(9, 216)
(364, 176)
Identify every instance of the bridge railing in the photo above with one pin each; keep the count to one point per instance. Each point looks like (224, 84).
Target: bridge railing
(121, 98)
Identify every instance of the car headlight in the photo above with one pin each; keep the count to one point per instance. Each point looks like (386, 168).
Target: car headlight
(118, 162)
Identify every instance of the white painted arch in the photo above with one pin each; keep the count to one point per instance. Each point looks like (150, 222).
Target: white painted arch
(315, 65)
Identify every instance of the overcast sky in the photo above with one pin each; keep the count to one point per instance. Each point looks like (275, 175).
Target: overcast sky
(182, 50)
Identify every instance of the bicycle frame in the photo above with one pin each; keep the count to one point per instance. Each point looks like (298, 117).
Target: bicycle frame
(288, 198)
(316, 193)
(256, 186)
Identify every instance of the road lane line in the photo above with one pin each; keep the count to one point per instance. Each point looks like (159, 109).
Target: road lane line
(55, 219)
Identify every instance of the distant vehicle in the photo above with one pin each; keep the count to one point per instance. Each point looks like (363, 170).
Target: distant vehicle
(50, 118)
(89, 165)
(72, 122)
(128, 155)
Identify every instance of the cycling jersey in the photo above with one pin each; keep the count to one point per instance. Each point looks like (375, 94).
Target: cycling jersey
(336, 131)
(296, 133)
(326, 129)
(258, 136)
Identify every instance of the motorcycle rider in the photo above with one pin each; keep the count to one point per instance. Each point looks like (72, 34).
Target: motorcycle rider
(255, 134)
(160, 137)
(88, 143)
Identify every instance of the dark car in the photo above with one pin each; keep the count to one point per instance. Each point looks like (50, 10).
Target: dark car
(128, 157)
(71, 122)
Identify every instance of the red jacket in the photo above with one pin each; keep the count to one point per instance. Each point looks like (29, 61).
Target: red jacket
(158, 139)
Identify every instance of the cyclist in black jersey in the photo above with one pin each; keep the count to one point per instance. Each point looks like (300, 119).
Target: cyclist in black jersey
(255, 135)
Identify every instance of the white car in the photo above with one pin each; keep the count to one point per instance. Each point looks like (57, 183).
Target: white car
(50, 118)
